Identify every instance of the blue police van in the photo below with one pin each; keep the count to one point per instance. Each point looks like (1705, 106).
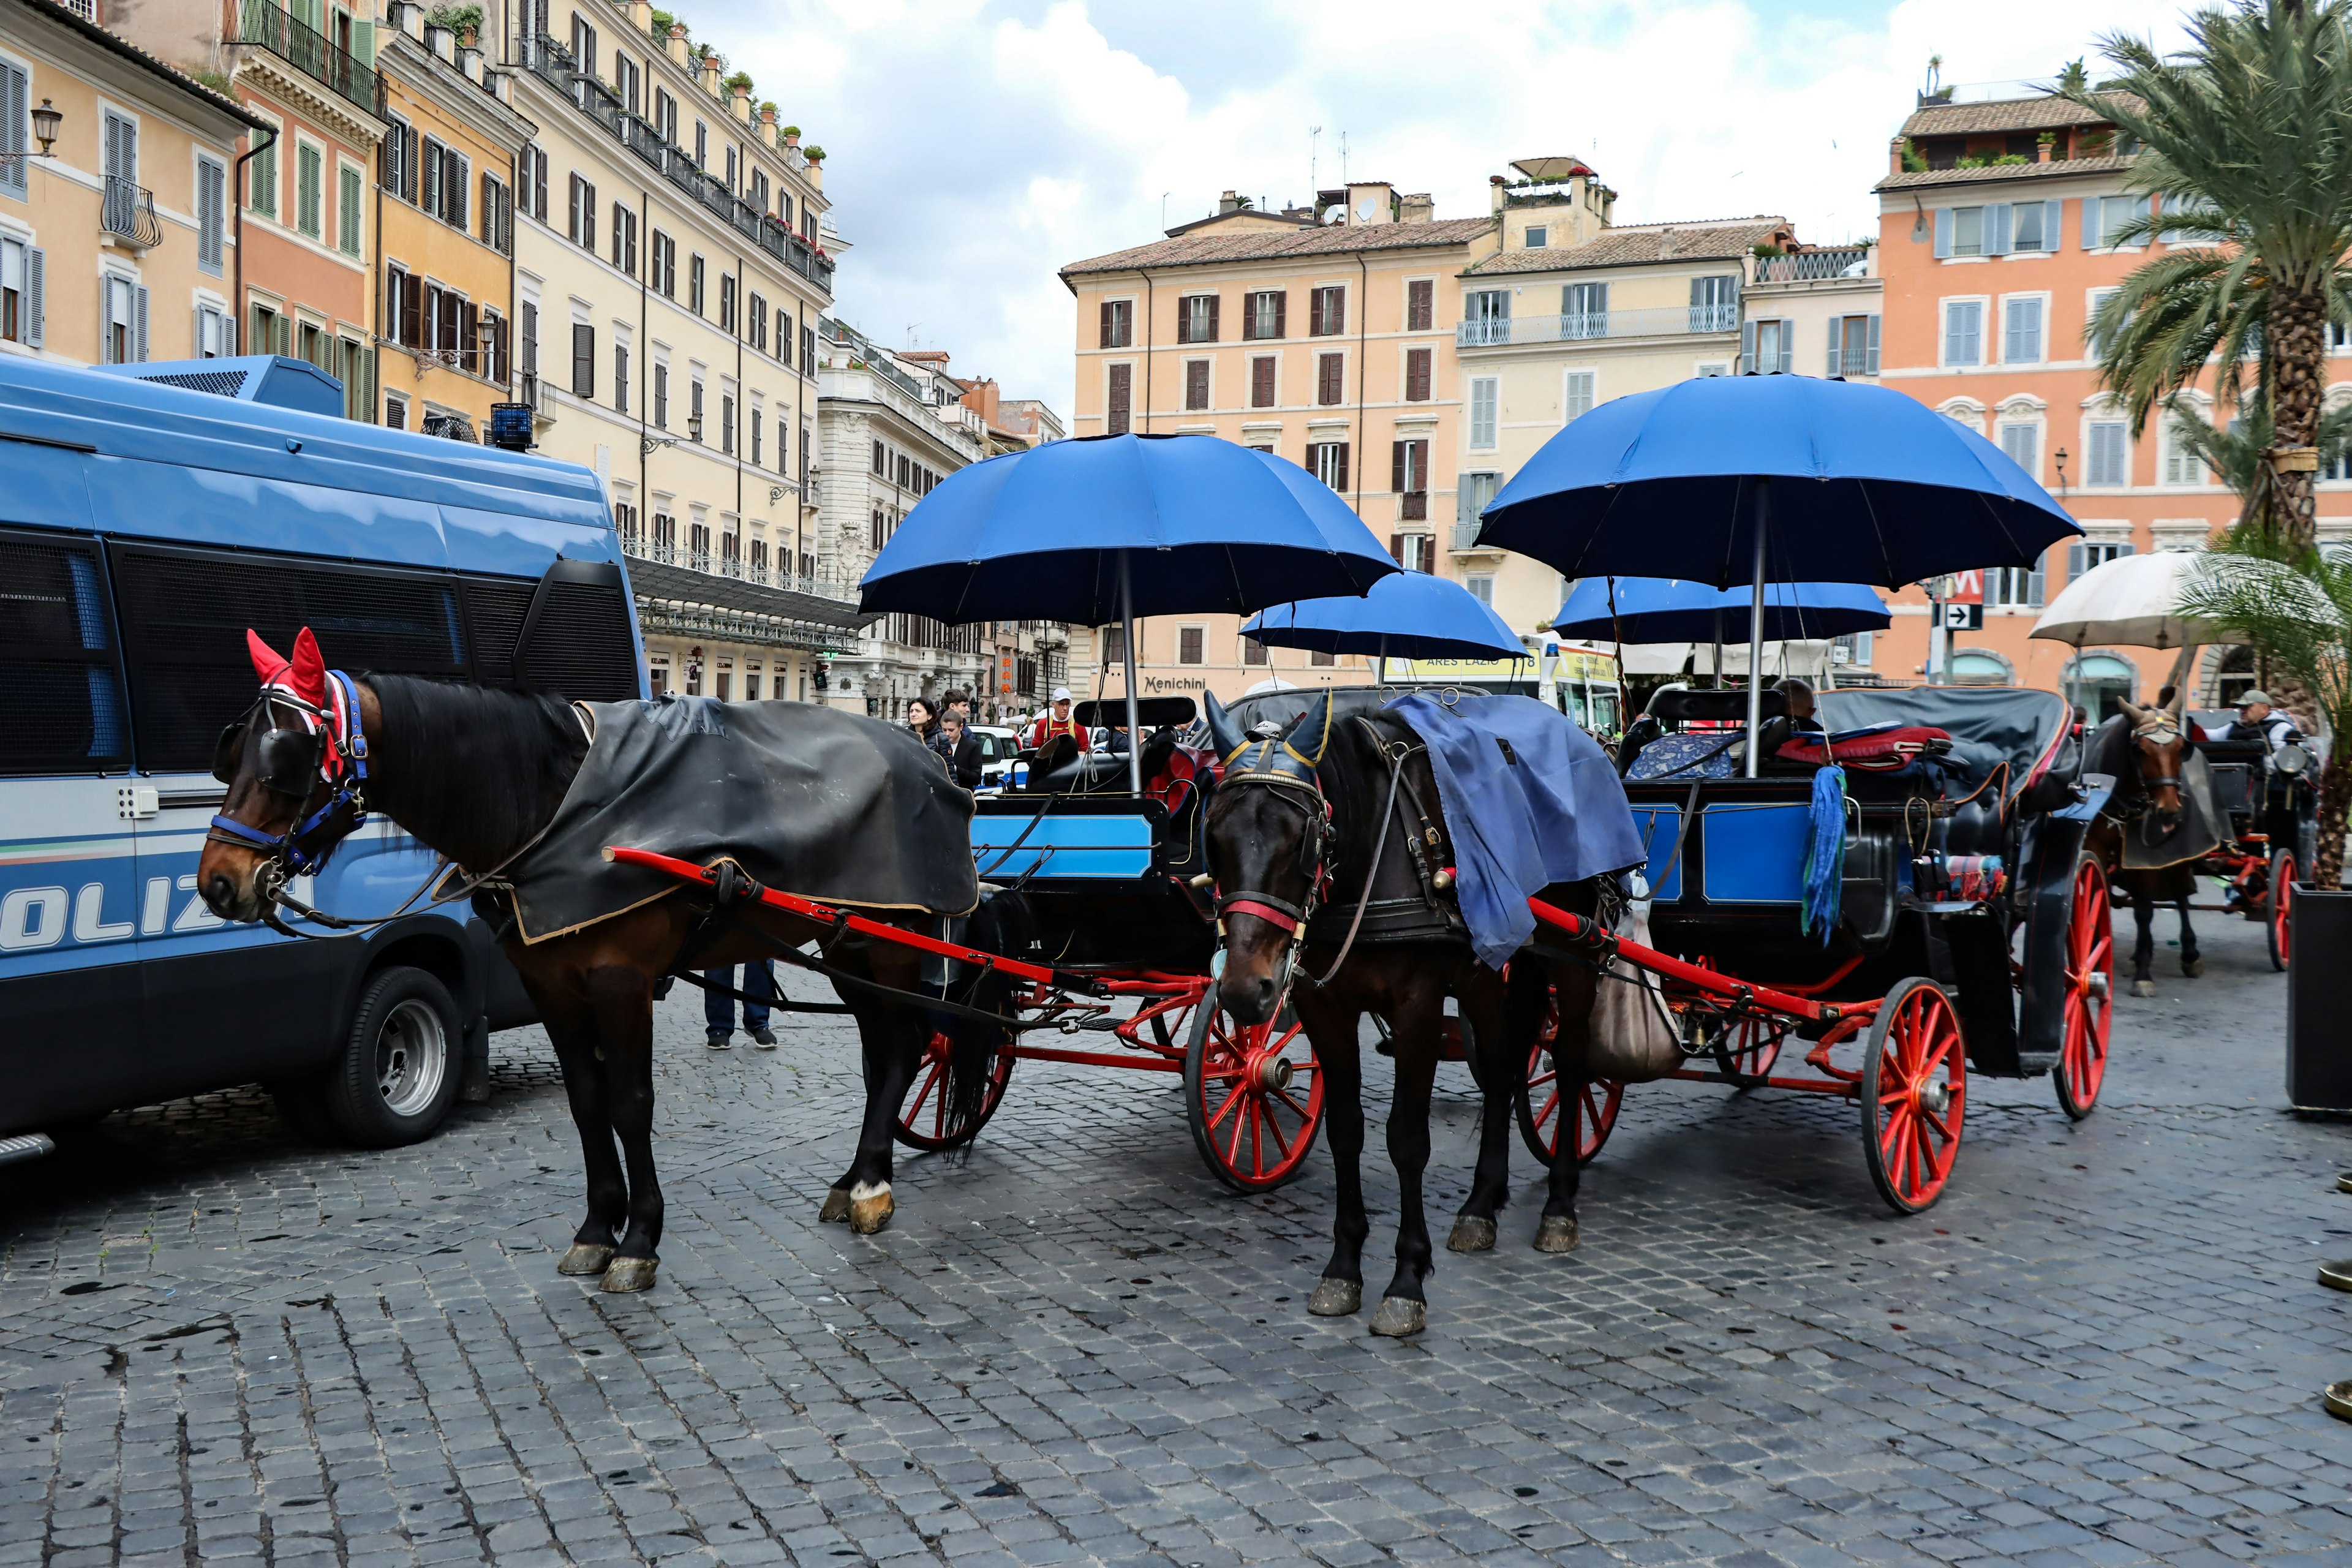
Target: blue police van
(149, 515)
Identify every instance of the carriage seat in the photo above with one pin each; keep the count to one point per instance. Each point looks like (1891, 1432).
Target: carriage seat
(1661, 745)
(1062, 768)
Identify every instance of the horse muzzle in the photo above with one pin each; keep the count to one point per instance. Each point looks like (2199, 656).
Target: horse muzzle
(1250, 988)
(236, 884)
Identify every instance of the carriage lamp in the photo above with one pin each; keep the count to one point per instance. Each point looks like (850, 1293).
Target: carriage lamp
(2060, 457)
(46, 121)
(694, 428)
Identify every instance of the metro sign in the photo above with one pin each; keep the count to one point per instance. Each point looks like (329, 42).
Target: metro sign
(1967, 588)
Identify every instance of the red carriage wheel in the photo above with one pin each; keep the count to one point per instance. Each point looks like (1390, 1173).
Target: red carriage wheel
(2283, 874)
(2090, 985)
(1747, 1049)
(922, 1121)
(1914, 1094)
(1253, 1095)
(1540, 1101)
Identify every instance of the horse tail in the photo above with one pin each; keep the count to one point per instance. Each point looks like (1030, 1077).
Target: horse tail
(1001, 925)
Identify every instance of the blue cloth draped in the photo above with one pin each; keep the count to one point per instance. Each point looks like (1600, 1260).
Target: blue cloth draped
(1529, 800)
(1824, 854)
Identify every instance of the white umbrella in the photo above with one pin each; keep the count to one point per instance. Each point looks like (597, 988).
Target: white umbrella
(2134, 601)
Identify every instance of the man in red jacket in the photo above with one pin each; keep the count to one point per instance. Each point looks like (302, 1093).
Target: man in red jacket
(1058, 722)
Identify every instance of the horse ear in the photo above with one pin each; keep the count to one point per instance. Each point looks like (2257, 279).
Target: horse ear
(267, 660)
(310, 673)
(2132, 710)
(1223, 733)
(2164, 699)
(1312, 730)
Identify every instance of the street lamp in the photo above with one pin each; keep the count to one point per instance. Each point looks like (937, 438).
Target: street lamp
(2062, 468)
(646, 447)
(694, 428)
(46, 121)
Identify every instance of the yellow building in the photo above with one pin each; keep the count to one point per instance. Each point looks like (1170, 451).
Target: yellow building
(445, 229)
(117, 242)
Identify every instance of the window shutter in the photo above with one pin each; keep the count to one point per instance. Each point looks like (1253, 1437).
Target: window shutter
(1943, 232)
(2053, 219)
(1873, 346)
(1747, 337)
(210, 183)
(1282, 313)
(2090, 223)
(469, 337)
(1216, 303)
(2075, 561)
(14, 94)
(1396, 547)
(1105, 335)
(453, 189)
(1788, 346)
(2037, 581)
(1837, 332)
(34, 268)
(1465, 506)
(583, 360)
(433, 177)
(1396, 467)
(1997, 228)
(138, 324)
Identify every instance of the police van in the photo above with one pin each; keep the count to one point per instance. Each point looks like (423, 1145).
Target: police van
(149, 515)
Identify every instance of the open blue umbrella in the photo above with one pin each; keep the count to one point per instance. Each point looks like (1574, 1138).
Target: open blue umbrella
(1110, 527)
(1411, 614)
(1748, 480)
(1668, 609)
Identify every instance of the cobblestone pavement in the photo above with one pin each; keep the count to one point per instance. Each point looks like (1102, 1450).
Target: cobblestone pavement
(2104, 1346)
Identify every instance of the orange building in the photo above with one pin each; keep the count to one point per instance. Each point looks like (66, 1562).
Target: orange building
(1994, 249)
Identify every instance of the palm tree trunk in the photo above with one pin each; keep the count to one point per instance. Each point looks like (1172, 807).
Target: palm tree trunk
(2334, 795)
(2297, 329)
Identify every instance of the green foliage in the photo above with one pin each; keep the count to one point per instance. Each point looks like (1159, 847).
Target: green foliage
(1915, 162)
(768, 106)
(660, 25)
(740, 80)
(216, 80)
(2074, 76)
(2010, 158)
(1765, 250)
(2235, 457)
(789, 131)
(1973, 161)
(814, 155)
(460, 19)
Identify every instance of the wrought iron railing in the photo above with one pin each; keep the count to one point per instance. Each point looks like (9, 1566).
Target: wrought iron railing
(308, 51)
(128, 212)
(1662, 321)
(1812, 266)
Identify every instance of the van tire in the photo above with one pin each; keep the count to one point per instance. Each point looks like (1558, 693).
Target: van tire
(399, 1072)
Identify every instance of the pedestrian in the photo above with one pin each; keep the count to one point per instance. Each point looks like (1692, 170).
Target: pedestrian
(959, 700)
(718, 1008)
(922, 718)
(1057, 723)
(961, 747)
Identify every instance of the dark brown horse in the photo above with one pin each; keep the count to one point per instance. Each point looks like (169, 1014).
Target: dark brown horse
(2145, 749)
(1297, 822)
(475, 775)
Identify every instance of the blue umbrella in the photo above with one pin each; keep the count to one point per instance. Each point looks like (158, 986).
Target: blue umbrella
(1411, 614)
(1666, 609)
(1110, 527)
(1755, 479)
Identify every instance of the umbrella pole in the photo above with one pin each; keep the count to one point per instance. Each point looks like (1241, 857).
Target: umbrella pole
(1126, 619)
(1756, 628)
(1715, 671)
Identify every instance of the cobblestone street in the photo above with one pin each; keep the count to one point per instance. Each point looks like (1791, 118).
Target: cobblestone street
(2104, 1346)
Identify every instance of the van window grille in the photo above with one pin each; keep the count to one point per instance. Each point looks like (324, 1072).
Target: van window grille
(57, 663)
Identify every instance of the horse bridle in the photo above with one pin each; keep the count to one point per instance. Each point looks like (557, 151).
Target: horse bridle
(331, 748)
(1273, 764)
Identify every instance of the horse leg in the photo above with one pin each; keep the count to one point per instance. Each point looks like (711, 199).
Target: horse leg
(2192, 964)
(2144, 948)
(1486, 1008)
(1571, 1041)
(1332, 1029)
(573, 1034)
(623, 999)
(1404, 1308)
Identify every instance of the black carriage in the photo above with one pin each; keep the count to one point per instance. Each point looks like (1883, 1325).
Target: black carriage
(1971, 932)
(2269, 804)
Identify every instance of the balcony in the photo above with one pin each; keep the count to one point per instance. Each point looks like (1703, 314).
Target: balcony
(1668, 321)
(308, 51)
(1465, 538)
(1814, 266)
(128, 213)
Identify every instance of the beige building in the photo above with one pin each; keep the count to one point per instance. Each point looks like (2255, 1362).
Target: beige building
(117, 238)
(668, 282)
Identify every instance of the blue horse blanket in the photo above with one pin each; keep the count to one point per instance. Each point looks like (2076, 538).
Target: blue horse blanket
(1529, 799)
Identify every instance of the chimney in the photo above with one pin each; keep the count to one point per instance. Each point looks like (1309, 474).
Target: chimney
(1418, 208)
(1497, 194)
(768, 123)
(677, 42)
(641, 15)
(1228, 202)
(742, 104)
(711, 74)
(1371, 202)
(1895, 155)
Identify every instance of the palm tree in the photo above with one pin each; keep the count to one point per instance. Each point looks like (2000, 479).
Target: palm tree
(2247, 135)
(2235, 455)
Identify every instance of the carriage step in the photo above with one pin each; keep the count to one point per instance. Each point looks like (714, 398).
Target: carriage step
(25, 1146)
(1102, 1024)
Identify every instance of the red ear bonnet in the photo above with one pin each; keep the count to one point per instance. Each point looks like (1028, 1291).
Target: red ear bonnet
(309, 678)
(268, 664)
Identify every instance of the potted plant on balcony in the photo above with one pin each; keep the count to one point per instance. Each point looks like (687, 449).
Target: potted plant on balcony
(740, 84)
(2292, 603)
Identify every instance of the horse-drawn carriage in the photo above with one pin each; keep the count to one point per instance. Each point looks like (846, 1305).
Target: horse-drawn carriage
(1932, 906)
(2268, 799)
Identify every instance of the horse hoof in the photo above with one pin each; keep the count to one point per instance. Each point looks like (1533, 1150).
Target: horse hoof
(630, 1274)
(1556, 1234)
(1336, 1298)
(1470, 1234)
(1400, 1317)
(836, 1208)
(870, 1209)
(2143, 988)
(2193, 967)
(585, 1259)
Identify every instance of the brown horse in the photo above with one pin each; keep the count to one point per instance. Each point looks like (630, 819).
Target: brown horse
(475, 773)
(2145, 749)
(1298, 821)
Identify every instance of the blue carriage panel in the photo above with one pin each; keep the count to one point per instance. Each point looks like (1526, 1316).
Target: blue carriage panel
(1755, 854)
(1658, 826)
(1110, 848)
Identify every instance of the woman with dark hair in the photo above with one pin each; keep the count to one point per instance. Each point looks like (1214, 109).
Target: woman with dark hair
(922, 718)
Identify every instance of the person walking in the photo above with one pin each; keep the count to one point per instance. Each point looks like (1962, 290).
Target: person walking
(759, 988)
(922, 718)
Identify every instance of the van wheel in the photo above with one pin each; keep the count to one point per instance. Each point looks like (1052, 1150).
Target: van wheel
(398, 1074)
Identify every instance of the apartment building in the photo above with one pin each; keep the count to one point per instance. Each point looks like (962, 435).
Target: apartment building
(668, 281)
(1323, 335)
(445, 227)
(1996, 244)
(116, 239)
(302, 276)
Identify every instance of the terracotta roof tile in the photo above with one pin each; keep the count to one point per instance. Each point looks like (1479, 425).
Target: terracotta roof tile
(2043, 111)
(2001, 172)
(1334, 240)
(1648, 244)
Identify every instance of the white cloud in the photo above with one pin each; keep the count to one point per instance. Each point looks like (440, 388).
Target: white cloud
(975, 148)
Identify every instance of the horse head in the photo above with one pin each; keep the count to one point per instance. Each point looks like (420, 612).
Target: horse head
(294, 762)
(1267, 827)
(2159, 740)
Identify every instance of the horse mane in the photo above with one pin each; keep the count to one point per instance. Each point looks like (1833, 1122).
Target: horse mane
(472, 771)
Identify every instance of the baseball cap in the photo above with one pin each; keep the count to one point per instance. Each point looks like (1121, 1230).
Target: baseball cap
(1061, 694)
(2250, 698)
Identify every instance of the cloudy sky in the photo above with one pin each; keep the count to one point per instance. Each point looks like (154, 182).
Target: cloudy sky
(975, 146)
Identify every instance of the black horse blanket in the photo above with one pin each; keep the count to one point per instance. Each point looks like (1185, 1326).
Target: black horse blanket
(832, 806)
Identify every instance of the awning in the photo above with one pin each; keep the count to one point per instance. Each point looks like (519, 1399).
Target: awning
(658, 579)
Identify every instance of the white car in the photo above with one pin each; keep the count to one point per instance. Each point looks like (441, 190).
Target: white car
(997, 746)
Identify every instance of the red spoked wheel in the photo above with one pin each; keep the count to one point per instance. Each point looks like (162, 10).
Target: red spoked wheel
(922, 1121)
(1747, 1049)
(1593, 1104)
(2090, 987)
(1254, 1095)
(2283, 874)
(1914, 1094)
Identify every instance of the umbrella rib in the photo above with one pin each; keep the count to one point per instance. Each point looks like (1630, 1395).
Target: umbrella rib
(1870, 510)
